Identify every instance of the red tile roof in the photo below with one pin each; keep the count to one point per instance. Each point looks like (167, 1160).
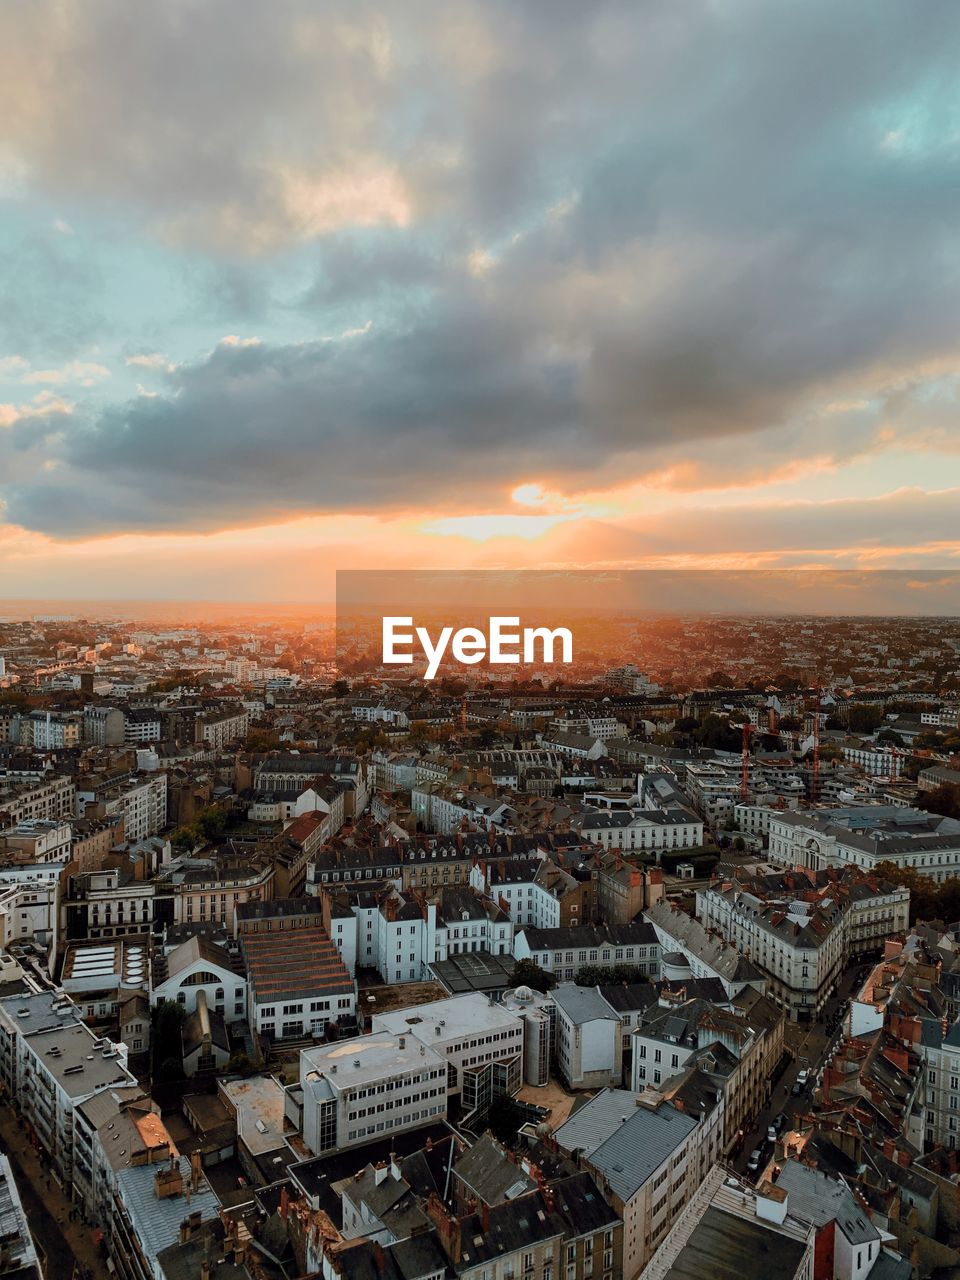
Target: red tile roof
(293, 964)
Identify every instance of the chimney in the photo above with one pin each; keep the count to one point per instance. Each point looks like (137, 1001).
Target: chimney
(379, 1174)
(196, 1170)
(205, 1268)
(284, 1208)
(485, 1218)
(448, 1227)
(190, 1226)
(168, 1182)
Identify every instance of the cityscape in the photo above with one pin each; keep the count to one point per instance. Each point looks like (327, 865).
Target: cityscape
(479, 640)
(309, 970)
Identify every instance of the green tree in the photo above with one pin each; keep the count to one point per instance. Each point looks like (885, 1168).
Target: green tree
(167, 1042)
(527, 973)
(945, 801)
(864, 718)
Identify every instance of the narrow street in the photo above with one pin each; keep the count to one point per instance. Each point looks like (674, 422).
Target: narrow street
(67, 1245)
(809, 1046)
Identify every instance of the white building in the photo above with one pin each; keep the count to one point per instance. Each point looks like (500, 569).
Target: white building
(563, 952)
(865, 836)
(375, 1086)
(481, 1042)
(589, 1046)
(198, 965)
(642, 830)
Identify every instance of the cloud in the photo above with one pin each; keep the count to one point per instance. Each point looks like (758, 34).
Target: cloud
(589, 244)
(84, 372)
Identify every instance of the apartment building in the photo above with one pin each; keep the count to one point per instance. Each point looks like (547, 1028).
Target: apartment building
(535, 891)
(47, 798)
(563, 952)
(797, 940)
(217, 729)
(140, 799)
(29, 899)
(36, 840)
(644, 1152)
(375, 1086)
(103, 726)
(52, 1063)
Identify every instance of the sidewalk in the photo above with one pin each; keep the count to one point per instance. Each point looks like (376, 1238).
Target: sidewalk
(48, 1209)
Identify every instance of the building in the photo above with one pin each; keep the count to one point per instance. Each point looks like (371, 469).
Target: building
(797, 939)
(49, 798)
(589, 1045)
(354, 1091)
(643, 1152)
(198, 967)
(847, 1241)
(564, 952)
(642, 831)
(35, 840)
(52, 1064)
(296, 983)
(688, 950)
(140, 799)
(157, 1206)
(624, 890)
(18, 1253)
(481, 1041)
(865, 836)
(730, 1230)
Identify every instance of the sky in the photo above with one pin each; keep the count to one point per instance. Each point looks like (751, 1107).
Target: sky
(300, 287)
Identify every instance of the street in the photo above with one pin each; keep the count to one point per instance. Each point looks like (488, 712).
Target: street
(67, 1245)
(809, 1046)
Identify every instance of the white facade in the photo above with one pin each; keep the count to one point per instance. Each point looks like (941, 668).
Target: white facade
(355, 1091)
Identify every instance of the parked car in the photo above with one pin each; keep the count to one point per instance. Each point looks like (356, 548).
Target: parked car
(803, 1075)
(780, 1123)
(753, 1164)
(771, 1133)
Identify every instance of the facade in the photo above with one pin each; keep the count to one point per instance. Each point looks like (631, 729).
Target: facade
(564, 952)
(198, 966)
(296, 983)
(355, 1091)
(865, 836)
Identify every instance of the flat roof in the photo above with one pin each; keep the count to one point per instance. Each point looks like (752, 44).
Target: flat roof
(449, 1019)
(362, 1059)
(78, 1068)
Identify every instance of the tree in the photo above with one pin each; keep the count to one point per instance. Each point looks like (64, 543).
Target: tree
(944, 801)
(167, 1042)
(864, 718)
(340, 688)
(719, 680)
(527, 973)
(599, 975)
